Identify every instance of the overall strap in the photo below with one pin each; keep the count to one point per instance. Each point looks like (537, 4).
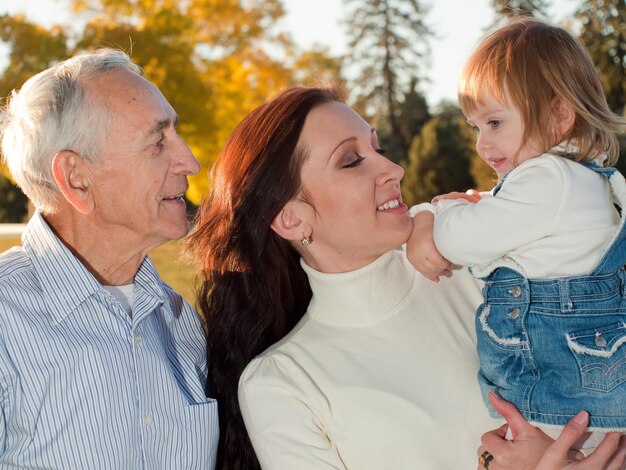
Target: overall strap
(614, 257)
(497, 187)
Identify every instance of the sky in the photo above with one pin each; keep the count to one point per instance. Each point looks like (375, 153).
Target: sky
(459, 25)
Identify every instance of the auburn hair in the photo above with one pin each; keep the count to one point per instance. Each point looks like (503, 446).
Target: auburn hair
(253, 289)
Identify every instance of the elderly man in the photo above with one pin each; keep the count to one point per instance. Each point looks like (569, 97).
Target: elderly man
(102, 365)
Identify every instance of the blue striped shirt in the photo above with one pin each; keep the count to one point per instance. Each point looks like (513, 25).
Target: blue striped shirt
(85, 386)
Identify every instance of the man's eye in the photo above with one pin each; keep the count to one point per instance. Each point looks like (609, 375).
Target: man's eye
(161, 142)
(354, 162)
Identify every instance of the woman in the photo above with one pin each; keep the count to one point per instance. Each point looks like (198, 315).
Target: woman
(366, 364)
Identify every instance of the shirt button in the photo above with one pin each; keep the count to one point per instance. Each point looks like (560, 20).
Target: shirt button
(516, 291)
(600, 341)
(513, 314)
(148, 420)
(138, 339)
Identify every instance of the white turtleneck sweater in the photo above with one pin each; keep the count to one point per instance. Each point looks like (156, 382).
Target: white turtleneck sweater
(379, 374)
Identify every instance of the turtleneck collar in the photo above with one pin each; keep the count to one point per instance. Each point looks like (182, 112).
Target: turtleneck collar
(361, 296)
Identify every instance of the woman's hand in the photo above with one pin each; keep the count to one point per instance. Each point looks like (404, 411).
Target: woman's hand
(609, 455)
(531, 449)
(421, 249)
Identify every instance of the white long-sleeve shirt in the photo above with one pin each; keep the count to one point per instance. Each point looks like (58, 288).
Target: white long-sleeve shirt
(551, 218)
(379, 374)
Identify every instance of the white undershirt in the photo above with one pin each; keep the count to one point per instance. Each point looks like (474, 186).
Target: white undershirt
(124, 295)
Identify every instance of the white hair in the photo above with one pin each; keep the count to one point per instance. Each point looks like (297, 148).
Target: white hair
(52, 113)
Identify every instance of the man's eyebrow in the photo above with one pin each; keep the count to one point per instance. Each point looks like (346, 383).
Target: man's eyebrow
(164, 124)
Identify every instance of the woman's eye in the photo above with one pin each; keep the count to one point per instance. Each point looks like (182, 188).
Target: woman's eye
(354, 162)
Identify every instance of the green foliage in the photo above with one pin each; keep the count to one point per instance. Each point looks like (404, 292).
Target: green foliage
(512, 8)
(13, 202)
(440, 158)
(603, 32)
(412, 114)
(388, 40)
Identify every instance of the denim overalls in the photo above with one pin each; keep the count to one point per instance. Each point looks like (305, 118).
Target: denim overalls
(558, 346)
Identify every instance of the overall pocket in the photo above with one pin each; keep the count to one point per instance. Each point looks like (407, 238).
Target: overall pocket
(601, 356)
(502, 325)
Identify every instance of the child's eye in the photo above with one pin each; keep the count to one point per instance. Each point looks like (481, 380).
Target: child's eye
(494, 123)
(475, 129)
(357, 161)
(380, 151)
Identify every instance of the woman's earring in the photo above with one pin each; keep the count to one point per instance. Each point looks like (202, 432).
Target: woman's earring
(305, 241)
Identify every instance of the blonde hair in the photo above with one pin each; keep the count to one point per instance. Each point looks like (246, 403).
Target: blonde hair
(542, 66)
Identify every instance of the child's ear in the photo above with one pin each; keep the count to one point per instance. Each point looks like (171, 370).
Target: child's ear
(73, 178)
(289, 223)
(564, 117)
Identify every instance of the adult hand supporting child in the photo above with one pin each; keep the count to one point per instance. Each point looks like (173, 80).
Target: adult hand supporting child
(531, 449)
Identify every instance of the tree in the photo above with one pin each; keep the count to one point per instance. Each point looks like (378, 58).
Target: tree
(505, 9)
(603, 32)
(317, 68)
(413, 113)
(32, 48)
(389, 45)
(440, 157)
(210, 58)
(13, 202)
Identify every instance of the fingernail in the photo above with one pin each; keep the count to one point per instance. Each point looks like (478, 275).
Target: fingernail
(581, 418)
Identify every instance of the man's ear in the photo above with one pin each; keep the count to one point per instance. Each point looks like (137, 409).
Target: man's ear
(564, 117)
(72, 176)
(289, 223)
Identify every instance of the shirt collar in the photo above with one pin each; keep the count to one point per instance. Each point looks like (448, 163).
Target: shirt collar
(66, 283)
(361, 296)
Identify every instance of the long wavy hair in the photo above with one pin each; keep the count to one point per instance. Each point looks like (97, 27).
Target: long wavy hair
(253, 289)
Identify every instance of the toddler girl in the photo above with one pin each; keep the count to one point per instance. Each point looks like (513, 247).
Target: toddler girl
(548, 240)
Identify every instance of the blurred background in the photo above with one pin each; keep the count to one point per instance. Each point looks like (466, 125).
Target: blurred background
(216, 60)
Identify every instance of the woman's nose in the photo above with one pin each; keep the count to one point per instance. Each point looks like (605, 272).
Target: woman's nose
(390, 171)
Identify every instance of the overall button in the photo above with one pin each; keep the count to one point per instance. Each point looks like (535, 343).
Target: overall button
(513, 314)
(148, 420)
(138, 339)
(516, 291)
(600, 341)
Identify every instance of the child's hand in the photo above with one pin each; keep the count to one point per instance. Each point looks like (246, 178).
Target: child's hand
(471, 195)
(421, 249)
